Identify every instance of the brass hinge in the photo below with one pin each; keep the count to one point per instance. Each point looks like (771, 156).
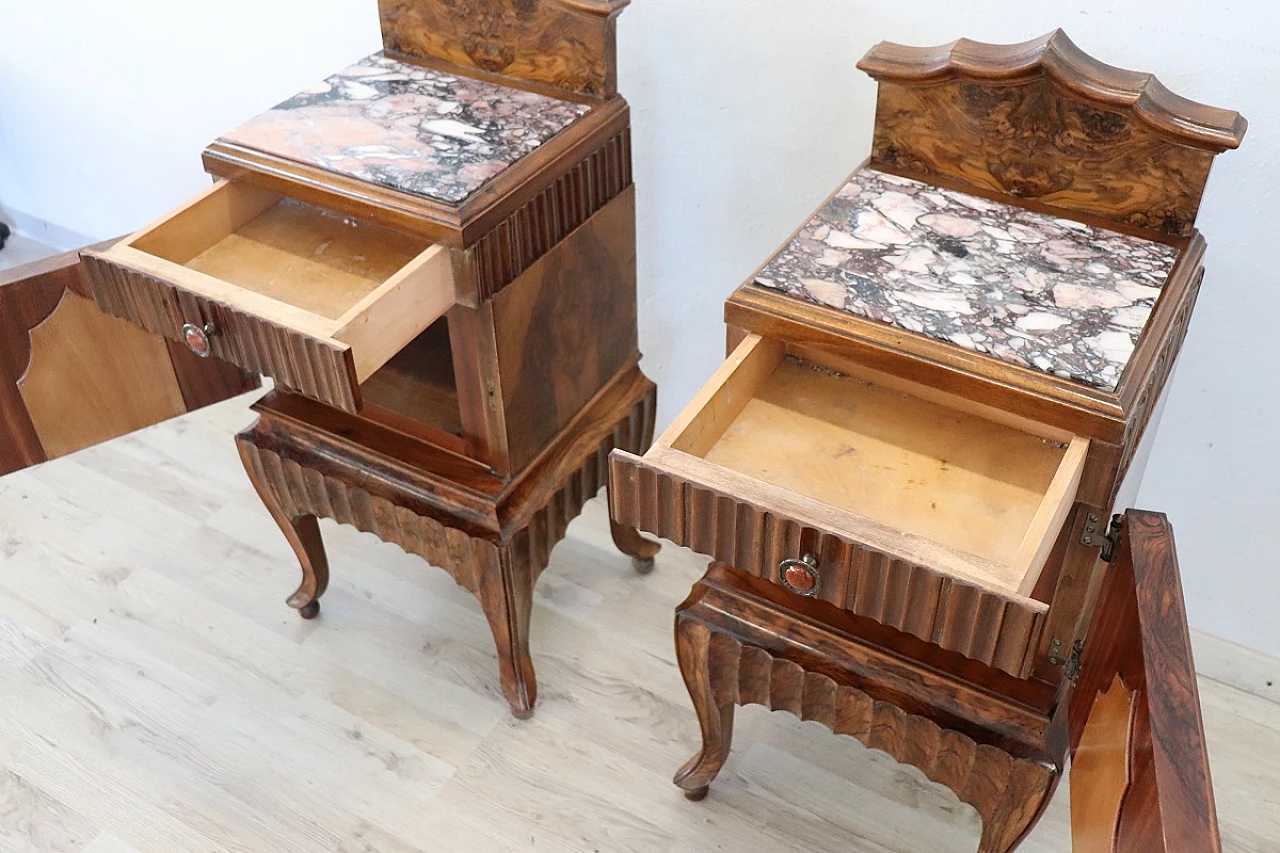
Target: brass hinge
(1105, 539)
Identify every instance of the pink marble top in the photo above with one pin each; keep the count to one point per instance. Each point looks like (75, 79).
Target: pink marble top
(1044, 292)
(409, 128)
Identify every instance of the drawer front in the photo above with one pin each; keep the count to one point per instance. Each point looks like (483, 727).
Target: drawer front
(998, 630)
(315, 367)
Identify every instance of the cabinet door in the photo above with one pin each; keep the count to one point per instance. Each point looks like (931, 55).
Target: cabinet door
(71, 376)
(1140, 768)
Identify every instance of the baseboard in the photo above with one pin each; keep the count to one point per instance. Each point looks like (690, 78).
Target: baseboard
(44, 232)
(1236, 666)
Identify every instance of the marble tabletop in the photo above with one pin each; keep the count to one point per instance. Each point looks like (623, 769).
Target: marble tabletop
(409, 128)
(1032, 289)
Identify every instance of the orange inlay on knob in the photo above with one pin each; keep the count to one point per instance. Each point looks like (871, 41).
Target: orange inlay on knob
(799, 578)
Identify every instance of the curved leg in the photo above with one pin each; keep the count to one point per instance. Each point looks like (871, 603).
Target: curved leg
(630, 542)
(1027, 793)
(506, 596)
(303, 534)
(693, 649)
(628, 539)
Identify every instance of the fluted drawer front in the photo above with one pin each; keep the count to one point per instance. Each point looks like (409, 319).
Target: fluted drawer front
(320, 369)
(963, 617)
(316, 300)
(898, 502)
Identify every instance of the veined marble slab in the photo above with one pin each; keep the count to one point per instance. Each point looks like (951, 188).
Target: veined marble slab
(409, 128)
(1029, 288)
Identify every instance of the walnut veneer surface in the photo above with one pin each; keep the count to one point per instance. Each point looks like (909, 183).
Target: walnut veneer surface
(141, 632)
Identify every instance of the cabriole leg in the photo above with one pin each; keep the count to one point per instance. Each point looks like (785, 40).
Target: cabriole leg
(302, 533)
(631, 543)
(693, 650)
(506, 595)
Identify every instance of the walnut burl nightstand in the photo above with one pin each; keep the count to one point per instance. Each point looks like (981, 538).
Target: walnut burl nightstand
(938, 390)
(432, 254)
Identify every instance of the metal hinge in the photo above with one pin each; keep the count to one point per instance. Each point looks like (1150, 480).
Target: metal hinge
(1071, 663)
(1072, 668)
(1097, 537)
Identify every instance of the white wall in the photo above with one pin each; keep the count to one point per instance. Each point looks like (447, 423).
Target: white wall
(746, 115)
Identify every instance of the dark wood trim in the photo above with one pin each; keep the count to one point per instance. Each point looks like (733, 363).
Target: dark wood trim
(1140, 644)
(1054, 55)
(1043, 121)
(208, 380)
(28, 295)
(738, 644)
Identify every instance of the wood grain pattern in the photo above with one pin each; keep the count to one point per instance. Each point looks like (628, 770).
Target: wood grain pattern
(570, 44)
(92, 377)
(319, 368)
(1140, 637)
(1072, 587)
(207, 380)
(417, 389)
(515, 243)
(1103, 758)
(981, 624)
(566, 327)
(105, 379)
(911, 465)
(727, 660)
(495, 549)
(28, 295)
(473, 339)
(1042, 120)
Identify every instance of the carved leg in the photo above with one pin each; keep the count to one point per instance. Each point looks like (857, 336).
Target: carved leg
(636, 438)
(506, 595)
(630, 542)
(1026, 794)
(693, 650)
(303, 534)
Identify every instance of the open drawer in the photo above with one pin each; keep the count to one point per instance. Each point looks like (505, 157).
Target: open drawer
(312, 298)
(929, 513)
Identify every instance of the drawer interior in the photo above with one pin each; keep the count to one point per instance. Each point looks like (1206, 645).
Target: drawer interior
(302, 266)
(306, 256)
(905, 458)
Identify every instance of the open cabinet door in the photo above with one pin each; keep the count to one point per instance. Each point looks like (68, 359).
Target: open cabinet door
(1140, 769)
(71, 376)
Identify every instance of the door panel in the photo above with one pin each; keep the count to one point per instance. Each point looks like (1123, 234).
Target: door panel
(1140, 769)
(71, 376)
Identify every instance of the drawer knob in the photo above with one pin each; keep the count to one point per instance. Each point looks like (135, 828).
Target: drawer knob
(800, 576)
(197, 338)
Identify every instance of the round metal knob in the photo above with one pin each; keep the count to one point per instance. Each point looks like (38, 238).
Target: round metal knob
(800, 576)
(197, 338)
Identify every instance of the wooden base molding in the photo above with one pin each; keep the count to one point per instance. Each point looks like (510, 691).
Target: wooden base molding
(496, 549)
(993, 753)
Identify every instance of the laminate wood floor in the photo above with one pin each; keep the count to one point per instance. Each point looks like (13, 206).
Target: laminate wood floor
(156, 694)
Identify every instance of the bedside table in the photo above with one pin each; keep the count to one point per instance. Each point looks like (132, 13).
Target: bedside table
(432, 253)
(937, 391)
